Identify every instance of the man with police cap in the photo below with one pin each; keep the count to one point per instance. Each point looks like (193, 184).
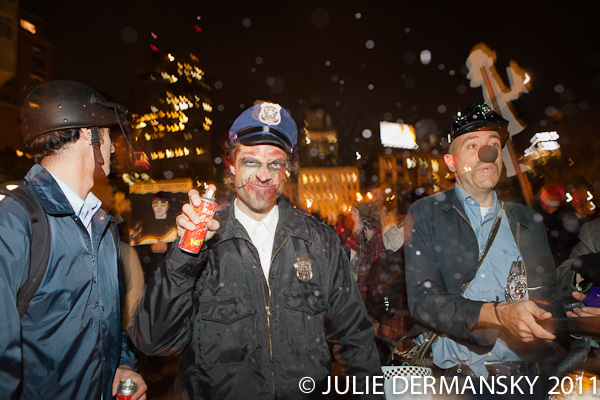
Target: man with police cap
(255, 312)
(67, 343)
(479, 271)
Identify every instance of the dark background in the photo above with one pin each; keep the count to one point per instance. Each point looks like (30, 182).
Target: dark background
(298, 52)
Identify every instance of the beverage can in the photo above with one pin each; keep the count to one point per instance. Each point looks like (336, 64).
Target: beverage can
(126, 389)
(192, 241)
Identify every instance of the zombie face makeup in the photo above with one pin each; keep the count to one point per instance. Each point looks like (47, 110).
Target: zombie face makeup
(259, 175)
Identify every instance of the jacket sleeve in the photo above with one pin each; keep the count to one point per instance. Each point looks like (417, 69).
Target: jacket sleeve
(15, 240)
(128, 357)
(430, 304)
(589, 242)
(162, 323)
(347, 322)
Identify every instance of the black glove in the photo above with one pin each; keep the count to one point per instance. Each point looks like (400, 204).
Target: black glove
(588, 266)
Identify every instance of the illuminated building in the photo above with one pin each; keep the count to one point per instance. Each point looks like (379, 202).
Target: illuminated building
(319, 141)
(173, 117)
(404, 165)
(328, 190)
(407, 170)
(25, 61)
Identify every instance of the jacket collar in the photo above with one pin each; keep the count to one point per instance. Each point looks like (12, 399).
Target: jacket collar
(289, 223)
(516, 214)
(47, 191)
(448, 200)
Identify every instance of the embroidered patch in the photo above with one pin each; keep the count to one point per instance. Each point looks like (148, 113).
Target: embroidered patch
(270, 114)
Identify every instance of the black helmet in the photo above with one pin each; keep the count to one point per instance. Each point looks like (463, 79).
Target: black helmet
(478, 117)
(59, 105)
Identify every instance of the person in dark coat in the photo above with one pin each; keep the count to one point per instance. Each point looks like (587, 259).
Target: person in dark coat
(68, 344)
(255, 313)
(487, 318)
(576, 277)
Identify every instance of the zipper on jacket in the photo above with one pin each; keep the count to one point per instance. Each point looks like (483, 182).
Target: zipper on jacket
(278, 250)
(268, 310)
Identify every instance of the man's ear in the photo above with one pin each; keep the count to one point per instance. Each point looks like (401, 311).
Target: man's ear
(450, 161)
(87, 134)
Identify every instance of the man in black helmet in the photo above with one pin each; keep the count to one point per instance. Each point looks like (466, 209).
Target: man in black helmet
(68, 342)
(479, 271)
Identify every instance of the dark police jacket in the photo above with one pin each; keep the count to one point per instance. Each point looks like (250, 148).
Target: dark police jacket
(441, 254)
(238, 339)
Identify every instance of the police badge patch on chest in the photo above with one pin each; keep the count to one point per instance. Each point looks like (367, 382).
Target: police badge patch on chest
(303, 267)
(516, 284)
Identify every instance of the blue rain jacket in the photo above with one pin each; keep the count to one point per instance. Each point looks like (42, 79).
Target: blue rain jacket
(69, 343)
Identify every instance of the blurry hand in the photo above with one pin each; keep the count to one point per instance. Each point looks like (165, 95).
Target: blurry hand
(189, 219)
(583, 311)
(125, 372)
(159, 247)
(519, 319)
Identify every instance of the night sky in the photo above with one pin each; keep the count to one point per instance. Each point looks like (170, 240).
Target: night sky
(360, 61)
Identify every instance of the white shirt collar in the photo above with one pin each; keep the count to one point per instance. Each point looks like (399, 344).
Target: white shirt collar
(250, 223)
(84, 209)
(262, 235)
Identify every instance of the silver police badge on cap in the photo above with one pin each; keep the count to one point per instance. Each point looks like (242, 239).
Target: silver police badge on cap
(270, 113)
(303, 267)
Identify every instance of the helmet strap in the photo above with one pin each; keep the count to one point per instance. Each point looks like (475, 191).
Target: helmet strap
(97, 151)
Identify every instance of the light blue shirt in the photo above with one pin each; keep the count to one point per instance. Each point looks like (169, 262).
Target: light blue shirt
(84, 209)
(487, 285)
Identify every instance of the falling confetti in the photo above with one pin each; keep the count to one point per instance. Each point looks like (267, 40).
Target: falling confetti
(425, 57)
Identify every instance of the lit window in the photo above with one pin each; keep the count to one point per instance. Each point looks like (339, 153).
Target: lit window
(37, 79)
(28, 26)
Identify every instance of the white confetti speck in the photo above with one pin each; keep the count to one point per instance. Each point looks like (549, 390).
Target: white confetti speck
(425, 57)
